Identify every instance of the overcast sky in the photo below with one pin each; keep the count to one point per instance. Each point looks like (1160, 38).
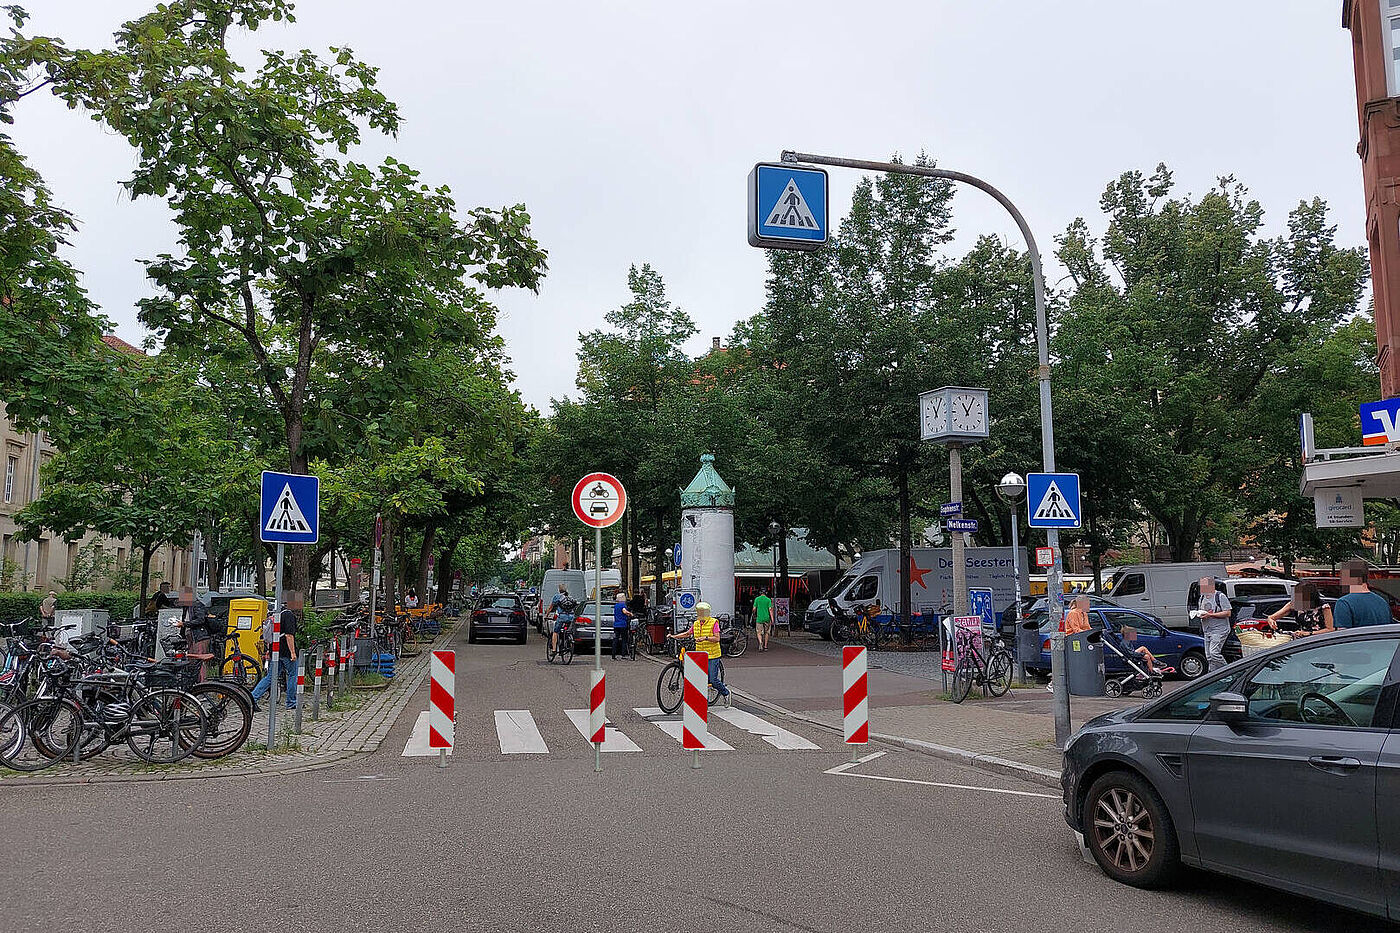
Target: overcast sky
(628, 128)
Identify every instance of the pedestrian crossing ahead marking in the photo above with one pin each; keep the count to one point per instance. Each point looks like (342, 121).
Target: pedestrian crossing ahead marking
(518, 733)
(287, 515)
(792, 210)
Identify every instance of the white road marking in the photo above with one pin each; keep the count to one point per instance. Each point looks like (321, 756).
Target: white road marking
(417, 744)
(840, 769)
(673, 726)
(613, 741)
(775, 736)
(845, 771)
(518, 734)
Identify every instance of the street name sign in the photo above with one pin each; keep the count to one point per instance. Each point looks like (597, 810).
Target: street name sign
(290, 508)
(1052, 499)
(787, 206)
(968, 525)
(599, 500)
(950, 509)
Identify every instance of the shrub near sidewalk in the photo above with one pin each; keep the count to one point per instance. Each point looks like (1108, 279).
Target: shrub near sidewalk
(17, 606)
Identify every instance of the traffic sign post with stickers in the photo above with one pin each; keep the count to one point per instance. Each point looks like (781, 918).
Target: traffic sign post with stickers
(599, 500)
(290, 510)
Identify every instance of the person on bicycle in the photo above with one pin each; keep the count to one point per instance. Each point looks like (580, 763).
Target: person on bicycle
(705, 631)
(562, 608)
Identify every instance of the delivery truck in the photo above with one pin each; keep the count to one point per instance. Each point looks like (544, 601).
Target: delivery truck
(875, 576)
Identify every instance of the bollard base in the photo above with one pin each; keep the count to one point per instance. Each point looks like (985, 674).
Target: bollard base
(695, 759)
(442, 758)
(597, 757)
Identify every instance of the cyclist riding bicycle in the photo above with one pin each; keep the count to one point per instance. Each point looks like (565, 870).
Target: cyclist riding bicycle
(705, 631)
(562, 606)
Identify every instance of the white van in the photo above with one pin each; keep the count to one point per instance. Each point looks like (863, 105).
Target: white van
(1160, 589)
(876, 576)
(574, 580)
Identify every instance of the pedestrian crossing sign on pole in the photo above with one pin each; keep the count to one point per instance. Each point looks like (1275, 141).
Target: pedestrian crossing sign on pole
(787, 206)
(291, 508)
(1053, 500)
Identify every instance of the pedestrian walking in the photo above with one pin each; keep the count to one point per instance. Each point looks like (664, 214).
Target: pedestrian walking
(287, 656)
(763, 618)
(1360, 607)
(705, 631)
(621, 617)
(1213, 611)
(47, 608)
(1076, 620)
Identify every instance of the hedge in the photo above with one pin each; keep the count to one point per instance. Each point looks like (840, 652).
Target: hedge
(16, 606)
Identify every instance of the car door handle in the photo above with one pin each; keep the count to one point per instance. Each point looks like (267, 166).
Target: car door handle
(1334, 763)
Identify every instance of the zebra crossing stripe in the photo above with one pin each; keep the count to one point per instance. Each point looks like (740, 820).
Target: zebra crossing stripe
(518, 734)
(614, 741)
(677, 730)
(775, 736)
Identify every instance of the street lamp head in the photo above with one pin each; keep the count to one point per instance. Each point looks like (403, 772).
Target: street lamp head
(670, 552)
(1012, 487)
(774, 528)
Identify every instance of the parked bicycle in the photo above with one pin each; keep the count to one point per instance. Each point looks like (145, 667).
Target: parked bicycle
(993, 673)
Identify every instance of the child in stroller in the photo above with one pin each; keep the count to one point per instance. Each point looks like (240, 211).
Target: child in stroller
(1144, 673)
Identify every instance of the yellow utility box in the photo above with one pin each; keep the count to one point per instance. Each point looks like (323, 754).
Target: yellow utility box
(247, 615)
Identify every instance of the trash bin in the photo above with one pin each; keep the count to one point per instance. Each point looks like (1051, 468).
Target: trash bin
(1028, 643)
(1084, 664)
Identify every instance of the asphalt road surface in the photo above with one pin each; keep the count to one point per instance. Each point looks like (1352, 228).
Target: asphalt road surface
(759, 838)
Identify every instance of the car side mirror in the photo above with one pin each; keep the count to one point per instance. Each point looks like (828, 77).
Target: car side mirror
(1229, 707)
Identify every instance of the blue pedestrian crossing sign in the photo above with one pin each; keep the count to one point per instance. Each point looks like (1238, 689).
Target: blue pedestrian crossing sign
(291, 508)
(787, 206)
(1052, 500)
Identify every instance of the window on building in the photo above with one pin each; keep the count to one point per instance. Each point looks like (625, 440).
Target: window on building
(11, 469)
(1390, 35)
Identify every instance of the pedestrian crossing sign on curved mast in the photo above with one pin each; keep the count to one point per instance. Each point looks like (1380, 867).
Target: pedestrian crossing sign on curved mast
(1053, 500)
(787, 206)
(291, 508)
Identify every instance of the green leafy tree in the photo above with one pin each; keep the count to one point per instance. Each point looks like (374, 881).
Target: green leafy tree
(321, 265)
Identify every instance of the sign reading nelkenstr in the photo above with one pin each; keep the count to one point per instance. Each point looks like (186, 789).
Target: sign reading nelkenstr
(599, 500)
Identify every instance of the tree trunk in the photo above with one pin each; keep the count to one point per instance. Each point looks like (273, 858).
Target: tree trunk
(444, 570)
(146, 551)
(625, 556)
(387, 572)
(659, 564)
(429, 537)
(784, 585)
(632, 537)
(905, 547)
(261, 551)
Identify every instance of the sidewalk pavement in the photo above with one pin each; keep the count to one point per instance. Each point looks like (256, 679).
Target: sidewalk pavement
(1014, 733)
(340, 734)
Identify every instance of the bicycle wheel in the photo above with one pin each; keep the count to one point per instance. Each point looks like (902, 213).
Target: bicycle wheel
(963, 677)
(241, 669)
(166, 726)
(230, 714)
(840, 631)
(550, 653)
(670, 687)
(739, 645)
(38, 733)
(999, 673)
(566, 648)
(632, 646)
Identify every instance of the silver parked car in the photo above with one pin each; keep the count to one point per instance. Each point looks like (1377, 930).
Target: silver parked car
(1282, 768)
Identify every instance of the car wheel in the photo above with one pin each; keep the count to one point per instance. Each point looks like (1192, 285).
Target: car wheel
(1193, 665)
(1129, 831)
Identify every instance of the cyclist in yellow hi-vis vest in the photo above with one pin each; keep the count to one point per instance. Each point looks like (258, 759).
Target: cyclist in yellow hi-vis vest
(705, 631)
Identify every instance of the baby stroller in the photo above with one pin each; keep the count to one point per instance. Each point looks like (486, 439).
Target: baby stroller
(1140, 676)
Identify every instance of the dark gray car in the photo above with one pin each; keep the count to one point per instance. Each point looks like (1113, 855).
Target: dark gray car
(1282, 768)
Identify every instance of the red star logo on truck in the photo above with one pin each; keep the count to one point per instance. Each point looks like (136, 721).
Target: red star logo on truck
(916, 573)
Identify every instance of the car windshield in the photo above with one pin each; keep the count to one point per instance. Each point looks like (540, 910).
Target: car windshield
(841, 585)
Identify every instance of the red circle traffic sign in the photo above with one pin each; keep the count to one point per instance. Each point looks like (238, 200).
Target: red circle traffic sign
(599, 500)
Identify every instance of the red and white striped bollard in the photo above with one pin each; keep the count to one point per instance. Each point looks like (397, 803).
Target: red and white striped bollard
(695, 706)
(442, 709)
(597, 715)
(855, 697)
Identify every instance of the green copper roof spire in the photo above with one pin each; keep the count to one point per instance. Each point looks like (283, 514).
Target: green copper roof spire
(707, 490)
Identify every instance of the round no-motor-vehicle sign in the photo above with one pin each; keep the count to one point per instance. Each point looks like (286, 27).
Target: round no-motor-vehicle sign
(599, 500)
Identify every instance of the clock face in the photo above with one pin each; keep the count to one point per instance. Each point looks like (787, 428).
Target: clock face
(969, 413)
(935, 415)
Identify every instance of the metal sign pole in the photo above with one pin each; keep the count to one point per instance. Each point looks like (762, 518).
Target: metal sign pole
(274, 664)
(374, 578)
(598, 626)
(1016, 570)
(1042, 341)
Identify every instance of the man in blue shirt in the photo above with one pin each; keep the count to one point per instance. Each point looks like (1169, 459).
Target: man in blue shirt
(1360, 607)
(621, 615)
